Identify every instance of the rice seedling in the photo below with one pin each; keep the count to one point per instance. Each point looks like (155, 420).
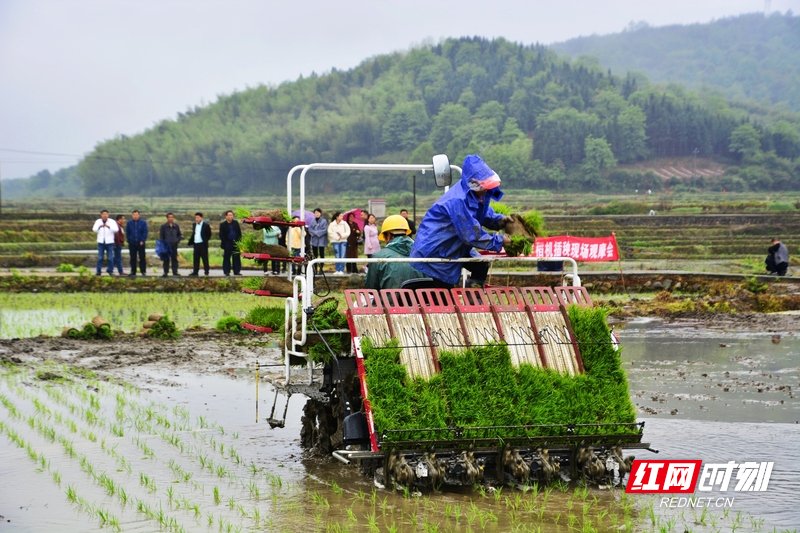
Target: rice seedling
(147, 482)
(233, 455)
(122, 496)
(320, 500)
(217, 498)
(145, 449)
(87, 466)
(108, 484)
(275, 481)
(255, 492)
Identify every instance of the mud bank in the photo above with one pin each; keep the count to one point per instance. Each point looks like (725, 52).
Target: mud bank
(26, 280)
(201, 352)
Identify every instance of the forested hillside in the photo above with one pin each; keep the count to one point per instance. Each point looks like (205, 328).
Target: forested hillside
(541, 120)
(752, 57)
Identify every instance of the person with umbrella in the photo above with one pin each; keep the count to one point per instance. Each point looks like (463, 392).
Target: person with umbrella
(453, 226)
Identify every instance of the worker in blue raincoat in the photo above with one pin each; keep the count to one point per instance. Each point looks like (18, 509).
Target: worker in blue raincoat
(453, 227)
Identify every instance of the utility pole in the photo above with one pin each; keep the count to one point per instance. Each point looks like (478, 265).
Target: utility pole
(414, 196)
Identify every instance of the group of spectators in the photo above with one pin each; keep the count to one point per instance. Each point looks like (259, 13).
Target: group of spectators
(112, 235)
(451, 229)
(346, 237)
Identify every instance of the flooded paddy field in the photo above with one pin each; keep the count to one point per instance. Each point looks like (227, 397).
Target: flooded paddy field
(142, 435)
(28, 315)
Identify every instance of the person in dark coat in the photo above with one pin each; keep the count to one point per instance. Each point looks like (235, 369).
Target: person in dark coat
(201, 234)
(777, 258)
(170, 234)
(229, 234)
(282, 242)
(412, 225)
(352, 244)
(136, 232)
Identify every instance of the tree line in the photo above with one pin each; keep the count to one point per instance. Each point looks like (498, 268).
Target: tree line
(540, 119)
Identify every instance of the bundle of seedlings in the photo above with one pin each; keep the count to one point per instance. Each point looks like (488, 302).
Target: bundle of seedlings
(266, 317)
(480, 387)
(241, 212)
(326, 316)
(529, 225)
(102, 327)
(162, 328)
(278, 215)
(519, 245)
(500, 208)
(98, 328)
(230, 324)
(274, 284)
(273, 250)
(251, 243)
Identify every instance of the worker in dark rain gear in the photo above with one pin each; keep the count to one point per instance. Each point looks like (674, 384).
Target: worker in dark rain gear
(453, 227)
(395, 232)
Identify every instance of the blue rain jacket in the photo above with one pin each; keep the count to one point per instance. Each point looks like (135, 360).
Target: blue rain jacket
(453, 226)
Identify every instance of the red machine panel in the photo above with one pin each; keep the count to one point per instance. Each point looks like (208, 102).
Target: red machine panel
(541, 298)
(505, 298)
(363, 301)
(471, 300)
(570, 295)
(435, 300)
(399, 301)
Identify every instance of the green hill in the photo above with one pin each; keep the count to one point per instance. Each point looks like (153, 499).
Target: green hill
(542, 121)
(753, 57)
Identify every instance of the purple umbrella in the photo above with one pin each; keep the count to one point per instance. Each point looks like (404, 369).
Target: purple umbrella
(309, 216)
(358, 219)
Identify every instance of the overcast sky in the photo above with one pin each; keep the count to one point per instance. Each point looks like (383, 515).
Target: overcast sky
(76, 72)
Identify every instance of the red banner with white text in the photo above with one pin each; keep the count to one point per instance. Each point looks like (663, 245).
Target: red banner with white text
(578, 248)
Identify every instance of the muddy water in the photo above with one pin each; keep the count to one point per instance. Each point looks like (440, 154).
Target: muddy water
(691, 372)
(666, 367)
(718, 396)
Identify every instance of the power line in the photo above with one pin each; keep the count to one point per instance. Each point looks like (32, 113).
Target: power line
(125, 160)
(15, 150)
